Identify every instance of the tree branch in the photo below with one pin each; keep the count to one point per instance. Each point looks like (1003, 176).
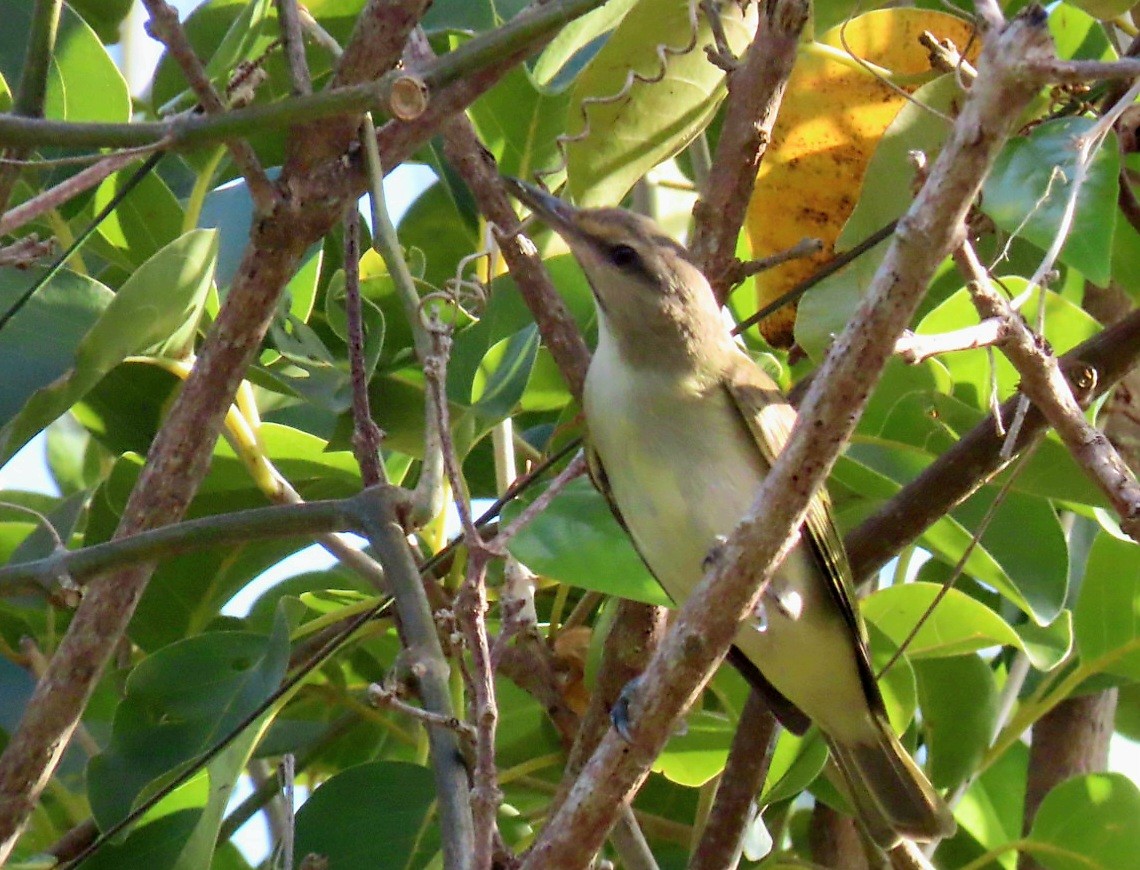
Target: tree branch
(164, 26)
(976, 457)
(755, 90)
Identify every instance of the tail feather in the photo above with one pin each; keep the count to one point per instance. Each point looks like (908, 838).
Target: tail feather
(892, 796)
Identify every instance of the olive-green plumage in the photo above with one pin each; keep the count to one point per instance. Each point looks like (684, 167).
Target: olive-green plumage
(683, 427)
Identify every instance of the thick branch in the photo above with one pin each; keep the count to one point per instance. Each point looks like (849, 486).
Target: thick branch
(740, 783)
(706, 624)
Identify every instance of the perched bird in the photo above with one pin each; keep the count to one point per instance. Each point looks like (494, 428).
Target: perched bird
(683, 426)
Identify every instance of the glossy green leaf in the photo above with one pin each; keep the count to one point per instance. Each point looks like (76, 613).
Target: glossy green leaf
(40, 341)
(576, 44)
(470, 15)
(1066, 326)
(959, 700)
(105, 16)
(991, 809)
(1049, 645)
(1088, 821)
(629, 135)
(825, 310)
(697, 752)
(436, 226)
(796, 762)
(1031, 183)
(958, 625)
(915, 128)
(1105, 618)
(577, 541)
(392, 801)
(1077, 35)
(178, 703)
(899, 381)
(504, 373)
(520, 124)
(875, 469)
(156, 310)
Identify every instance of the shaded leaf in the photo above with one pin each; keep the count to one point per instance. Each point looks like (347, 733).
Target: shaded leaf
(1031, 182)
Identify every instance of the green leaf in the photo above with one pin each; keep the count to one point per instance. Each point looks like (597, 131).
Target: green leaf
(40, 340)
(914, 128)
(155, 311)
(520, 124)
(1105, 615)
(698, 751)
(959, 700)
(179, 702)
(435, 225)
(503, 376)
(577, 43)
(824, 311)
(628, 135)
(992, 808)
(148, 218)
(83, 82)
(958, 625)
(796, 762)
(392, 801)
(470, 15)
(1088, 821)
(876, 469)
(105, 16)
(1031, 183)
(1066, 325)
(1078, 35)
(577, 541)
(1049, 645)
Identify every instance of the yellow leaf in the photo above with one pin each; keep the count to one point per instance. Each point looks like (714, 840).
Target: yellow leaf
(832, 118)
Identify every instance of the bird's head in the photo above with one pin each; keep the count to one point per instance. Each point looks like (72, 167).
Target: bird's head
(651, 297)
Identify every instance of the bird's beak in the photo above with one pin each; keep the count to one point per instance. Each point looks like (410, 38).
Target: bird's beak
(552, 211)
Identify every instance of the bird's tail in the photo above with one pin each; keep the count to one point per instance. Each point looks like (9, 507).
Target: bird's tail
(892, 796)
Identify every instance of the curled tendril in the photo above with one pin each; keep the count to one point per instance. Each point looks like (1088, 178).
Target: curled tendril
(663, 53)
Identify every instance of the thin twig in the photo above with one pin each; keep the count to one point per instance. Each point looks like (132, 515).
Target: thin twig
(165, 27)
(292, 38)
(914, 348)
(366, 435)
(66, 190)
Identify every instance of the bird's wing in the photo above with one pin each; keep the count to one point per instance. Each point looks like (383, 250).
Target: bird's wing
(790, 716)
(769, 418)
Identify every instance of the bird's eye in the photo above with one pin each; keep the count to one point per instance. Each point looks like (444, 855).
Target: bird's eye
(623, 256)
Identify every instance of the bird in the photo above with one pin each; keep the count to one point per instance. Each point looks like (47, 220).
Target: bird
(682, 427)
